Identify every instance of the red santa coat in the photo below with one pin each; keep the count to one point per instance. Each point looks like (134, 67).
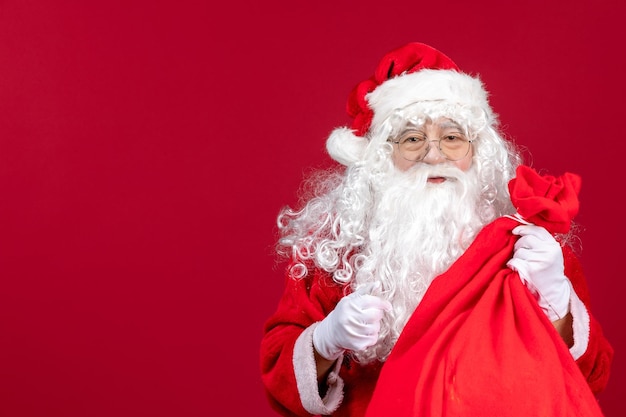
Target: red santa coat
(286, 347)
(308, 300)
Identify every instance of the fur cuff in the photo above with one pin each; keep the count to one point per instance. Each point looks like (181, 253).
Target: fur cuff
(306, 377)
(580, 318)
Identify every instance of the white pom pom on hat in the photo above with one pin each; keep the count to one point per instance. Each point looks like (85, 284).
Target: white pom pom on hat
(412, 73)
(344, 146)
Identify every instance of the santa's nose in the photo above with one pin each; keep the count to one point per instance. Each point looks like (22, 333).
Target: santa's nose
(433, 154)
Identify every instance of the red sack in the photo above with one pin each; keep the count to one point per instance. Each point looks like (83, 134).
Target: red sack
(478, 344)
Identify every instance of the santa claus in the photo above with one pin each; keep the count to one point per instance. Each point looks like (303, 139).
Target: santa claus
(423, 171)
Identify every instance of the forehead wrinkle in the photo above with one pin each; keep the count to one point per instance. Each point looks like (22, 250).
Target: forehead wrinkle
(446, 123)
(441, 124)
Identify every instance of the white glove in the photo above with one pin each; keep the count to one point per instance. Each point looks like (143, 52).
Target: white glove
(538, 259)
(353, 324)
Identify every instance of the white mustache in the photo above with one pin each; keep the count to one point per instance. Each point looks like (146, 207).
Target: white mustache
(422, 172)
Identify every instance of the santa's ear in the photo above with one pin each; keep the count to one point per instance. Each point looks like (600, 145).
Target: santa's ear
(345, 147)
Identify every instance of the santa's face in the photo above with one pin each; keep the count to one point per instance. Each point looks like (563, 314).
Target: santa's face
(437, 136)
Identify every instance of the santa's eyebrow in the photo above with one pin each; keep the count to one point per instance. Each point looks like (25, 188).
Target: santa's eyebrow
(415, 130)
(447, 124)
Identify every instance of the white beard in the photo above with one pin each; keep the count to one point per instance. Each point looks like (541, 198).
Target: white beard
(417, 230)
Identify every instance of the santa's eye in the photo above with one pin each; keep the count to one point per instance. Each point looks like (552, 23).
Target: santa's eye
(451, 138)
(413, 139)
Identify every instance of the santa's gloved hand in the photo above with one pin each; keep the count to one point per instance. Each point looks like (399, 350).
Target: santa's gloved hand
(538, 259)
(353, 324)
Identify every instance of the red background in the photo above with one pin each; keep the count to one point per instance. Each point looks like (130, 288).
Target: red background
(146, 148)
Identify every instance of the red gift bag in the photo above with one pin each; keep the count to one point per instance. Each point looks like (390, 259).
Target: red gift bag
(478, 344)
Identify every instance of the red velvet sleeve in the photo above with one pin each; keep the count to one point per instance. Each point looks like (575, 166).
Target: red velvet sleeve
(304, 302)
(595, 363)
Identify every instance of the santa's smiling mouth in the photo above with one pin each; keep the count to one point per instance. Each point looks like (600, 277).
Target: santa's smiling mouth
(436, 180)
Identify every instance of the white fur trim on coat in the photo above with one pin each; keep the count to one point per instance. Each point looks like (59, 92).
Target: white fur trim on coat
(306, 377)
(580, 319)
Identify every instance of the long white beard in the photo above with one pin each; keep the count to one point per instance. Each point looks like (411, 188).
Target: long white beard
(417, 230)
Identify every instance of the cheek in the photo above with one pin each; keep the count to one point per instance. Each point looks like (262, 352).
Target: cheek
(465, 163)
(401, 163)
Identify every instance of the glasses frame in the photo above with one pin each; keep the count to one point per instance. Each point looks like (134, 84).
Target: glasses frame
(397, 142)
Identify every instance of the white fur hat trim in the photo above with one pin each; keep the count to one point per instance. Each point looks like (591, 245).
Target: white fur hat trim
(427, 85)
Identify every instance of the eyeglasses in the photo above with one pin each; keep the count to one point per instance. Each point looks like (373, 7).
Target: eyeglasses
(414, 146)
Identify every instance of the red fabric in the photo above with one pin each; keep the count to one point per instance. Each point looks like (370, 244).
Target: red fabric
(308, 299)
(304, 302)
(546, 201)
(409, 58)
(595, 363)
(478, 344)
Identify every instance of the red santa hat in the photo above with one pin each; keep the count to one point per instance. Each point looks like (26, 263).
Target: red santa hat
(410, 74)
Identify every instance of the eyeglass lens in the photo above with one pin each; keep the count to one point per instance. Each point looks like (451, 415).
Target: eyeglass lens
(415, 147)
